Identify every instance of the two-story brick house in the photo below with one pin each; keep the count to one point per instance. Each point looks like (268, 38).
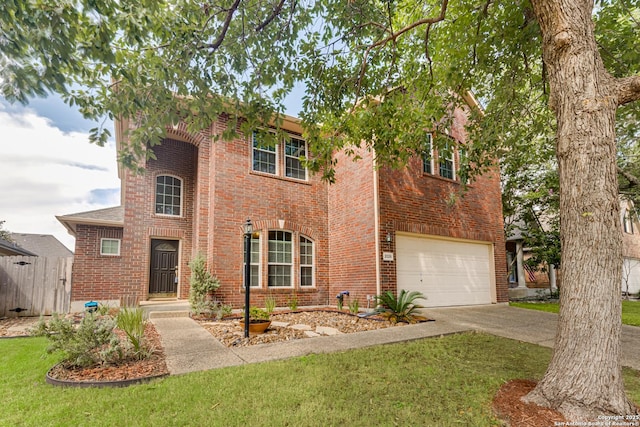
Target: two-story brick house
(375, 229)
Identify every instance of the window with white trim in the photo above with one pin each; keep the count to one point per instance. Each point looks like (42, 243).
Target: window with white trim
(284, 159)
(446, 161)
(110, 247)
(254, 280)
(306, 262)
(265, 157)
(280, 259)
(427, 155)
(294, 150)
(168, 195)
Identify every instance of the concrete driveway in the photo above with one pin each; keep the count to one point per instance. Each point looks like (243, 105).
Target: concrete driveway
(531, 326)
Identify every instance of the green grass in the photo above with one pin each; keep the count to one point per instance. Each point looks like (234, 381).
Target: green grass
(448, 381)
(630, 309)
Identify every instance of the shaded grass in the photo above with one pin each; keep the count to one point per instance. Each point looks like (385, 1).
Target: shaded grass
(630, 309)
(431, 382)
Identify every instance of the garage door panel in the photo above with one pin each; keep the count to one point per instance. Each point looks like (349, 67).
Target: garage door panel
(447, 272)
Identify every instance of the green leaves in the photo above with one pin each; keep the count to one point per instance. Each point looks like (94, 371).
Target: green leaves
(374, 71)
(402, 308)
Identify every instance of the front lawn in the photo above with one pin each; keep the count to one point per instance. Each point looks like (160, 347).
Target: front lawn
(630, 309)
(436, 382)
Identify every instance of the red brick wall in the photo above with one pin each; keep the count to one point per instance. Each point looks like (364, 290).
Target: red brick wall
(220, 191)
(272, 203)
(415, 202)
(175, 158)
(352, 256)
(95, 276)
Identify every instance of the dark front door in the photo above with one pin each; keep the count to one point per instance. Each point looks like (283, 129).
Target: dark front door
(164, 264)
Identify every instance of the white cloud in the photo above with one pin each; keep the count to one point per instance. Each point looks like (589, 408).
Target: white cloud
(46, 172)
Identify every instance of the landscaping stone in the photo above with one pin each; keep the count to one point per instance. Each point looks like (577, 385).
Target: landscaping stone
(325, 330)
(301, 327)
(279, 324)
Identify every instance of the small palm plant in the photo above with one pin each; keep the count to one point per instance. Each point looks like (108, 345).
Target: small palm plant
(400, 309)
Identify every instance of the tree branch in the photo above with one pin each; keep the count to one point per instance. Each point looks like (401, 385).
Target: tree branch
(424, 21)
(633, 180)
(274, 13)
(628, 89)
(393, 37)
(225, 27)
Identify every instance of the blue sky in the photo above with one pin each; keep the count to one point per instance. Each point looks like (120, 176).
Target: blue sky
(49, 168)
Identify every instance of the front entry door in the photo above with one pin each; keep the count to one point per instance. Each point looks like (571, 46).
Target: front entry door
(164, 265)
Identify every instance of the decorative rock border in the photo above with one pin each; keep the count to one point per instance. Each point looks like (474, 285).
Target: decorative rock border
(100, 384)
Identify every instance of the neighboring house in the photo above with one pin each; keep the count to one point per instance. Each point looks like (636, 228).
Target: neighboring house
(375, 229)
(525, 281)
(44, 245)
(12, 249)
(630, 248)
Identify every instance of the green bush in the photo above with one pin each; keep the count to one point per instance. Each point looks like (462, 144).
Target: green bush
(91, 342)
(202, 282)
(256, 313)
(401, 309)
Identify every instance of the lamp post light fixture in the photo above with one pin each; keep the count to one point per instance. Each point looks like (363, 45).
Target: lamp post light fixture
(248, 231)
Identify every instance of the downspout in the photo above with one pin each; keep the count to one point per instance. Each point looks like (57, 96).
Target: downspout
(376, 221)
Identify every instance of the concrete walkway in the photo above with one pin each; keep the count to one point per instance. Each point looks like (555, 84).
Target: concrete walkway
(189, 347)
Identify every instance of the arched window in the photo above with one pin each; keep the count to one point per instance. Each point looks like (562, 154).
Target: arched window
(168, 195)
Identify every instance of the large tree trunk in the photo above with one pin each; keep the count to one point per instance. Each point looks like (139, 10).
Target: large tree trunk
(584, 378)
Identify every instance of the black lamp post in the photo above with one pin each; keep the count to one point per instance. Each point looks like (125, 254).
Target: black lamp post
(248, 231)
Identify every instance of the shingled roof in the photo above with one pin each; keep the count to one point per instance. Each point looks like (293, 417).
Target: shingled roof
(44, 245)
(11, 249)
(109, 217)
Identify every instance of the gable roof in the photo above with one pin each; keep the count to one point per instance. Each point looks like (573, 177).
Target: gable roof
(108, 217)
(44, 245)
(11, 249)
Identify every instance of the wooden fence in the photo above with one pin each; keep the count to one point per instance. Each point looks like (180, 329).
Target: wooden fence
(34, 286)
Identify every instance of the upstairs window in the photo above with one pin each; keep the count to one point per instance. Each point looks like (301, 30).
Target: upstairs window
(294, 151)
(264, 157)
(446, 160)
(284, 159)
(168, 195)
(427, 155)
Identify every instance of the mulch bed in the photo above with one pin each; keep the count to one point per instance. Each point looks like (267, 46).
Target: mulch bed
(127, 370)
(509, 407)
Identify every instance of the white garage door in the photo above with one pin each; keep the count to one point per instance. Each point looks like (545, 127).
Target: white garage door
(631, 275)
(446, 272)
